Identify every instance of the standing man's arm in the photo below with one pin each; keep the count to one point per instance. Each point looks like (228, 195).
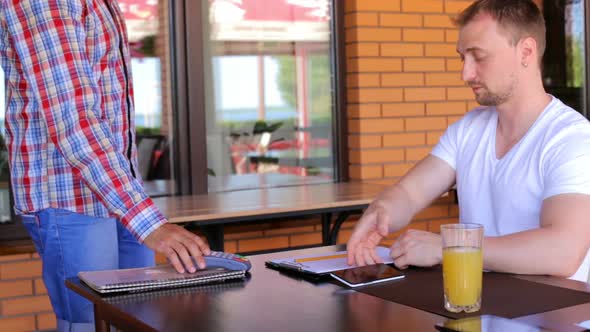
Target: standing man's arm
(394, 208)
(50, 42)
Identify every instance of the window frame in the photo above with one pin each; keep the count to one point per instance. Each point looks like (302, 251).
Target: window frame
(191, 101)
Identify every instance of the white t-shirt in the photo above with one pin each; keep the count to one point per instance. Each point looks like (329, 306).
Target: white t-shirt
(505, 195)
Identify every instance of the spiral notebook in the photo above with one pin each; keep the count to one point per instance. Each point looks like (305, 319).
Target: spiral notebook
(149, 278)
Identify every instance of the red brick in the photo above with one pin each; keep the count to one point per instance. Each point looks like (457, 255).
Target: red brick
(363, 80)
(242, 235)
(374, 5)
(424, 94)
(23, 323)
(402, 49)
(451, 36)
(422, 6)
(424, 65)
(374, 95)
(417, 154)
(438, 21)
(24, 305)
(426, 123)
(16, 288)
(364, 172)
(400, 20)
(24, 269)
(444, 79)
(362, 49)
(306, 239)
(275, 242)
(364, 141)
(423, 35)
(460, 94)
(403, 109)
(443, 50)
(402, 79)
(375, 125)
(289, 230)
(404, 139)
(343, 236)
(397, 170)
(230, 246)
(361, 19)
(10, 258)
(46, 322)
(363, 111)
(378, 65)
(446, 108)
(376, 156)
(364, 34)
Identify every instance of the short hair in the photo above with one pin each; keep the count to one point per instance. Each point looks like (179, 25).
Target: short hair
(520, 18)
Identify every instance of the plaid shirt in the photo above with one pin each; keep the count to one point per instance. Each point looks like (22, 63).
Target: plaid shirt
(69, 118)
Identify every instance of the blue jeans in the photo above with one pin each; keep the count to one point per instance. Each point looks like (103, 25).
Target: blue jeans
(70, 242)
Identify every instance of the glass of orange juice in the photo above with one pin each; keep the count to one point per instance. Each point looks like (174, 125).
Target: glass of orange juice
(462, 266)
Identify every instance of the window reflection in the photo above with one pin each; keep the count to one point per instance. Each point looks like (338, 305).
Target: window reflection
(564, 67)
(147, 34)
(270, 121)
(4, 172)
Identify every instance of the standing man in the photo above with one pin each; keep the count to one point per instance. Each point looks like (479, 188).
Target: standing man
(520, 162)
(71, 145)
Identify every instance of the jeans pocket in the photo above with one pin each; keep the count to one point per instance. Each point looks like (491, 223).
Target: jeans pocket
(31, 223)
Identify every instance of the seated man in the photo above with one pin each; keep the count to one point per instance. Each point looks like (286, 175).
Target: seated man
(520, 161)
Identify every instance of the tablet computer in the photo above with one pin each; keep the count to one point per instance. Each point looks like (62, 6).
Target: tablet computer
(367, 275)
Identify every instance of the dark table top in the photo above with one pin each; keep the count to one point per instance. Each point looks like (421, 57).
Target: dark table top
(272, 301)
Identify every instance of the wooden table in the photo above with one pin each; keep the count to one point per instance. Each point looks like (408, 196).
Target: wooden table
(272, 301)
(211, 212)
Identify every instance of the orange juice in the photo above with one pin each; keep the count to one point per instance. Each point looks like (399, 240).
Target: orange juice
(465, 325)
(462, 274)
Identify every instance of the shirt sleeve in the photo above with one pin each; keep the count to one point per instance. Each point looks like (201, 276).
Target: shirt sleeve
(566, 163)
(50, 41)
(448, 145)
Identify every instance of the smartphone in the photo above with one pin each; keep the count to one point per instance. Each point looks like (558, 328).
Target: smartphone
(367, 275)
(487, 323)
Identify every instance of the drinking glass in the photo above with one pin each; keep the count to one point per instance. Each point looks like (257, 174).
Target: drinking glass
(462, 266)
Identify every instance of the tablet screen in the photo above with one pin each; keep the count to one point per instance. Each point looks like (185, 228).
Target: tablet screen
(365, 275)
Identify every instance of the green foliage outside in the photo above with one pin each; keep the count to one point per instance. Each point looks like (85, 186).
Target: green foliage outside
(319, 90)
(145, 131)
(575, 62)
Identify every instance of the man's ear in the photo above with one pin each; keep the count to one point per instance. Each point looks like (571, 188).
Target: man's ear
(528, 51)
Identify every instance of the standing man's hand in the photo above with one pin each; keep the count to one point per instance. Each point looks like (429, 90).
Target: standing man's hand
(368, 232)
(418, 248)
(179, 245)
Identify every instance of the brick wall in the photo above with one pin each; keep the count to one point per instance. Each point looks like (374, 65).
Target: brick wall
(24, 305)
(403, 87)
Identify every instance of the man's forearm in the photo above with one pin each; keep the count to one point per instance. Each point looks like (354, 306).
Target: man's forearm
(538, 251)
(401, 203)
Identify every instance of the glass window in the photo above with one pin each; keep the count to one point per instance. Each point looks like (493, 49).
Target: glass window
(564, 66)
(268, 66)
(5, 207)
(147, 22)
